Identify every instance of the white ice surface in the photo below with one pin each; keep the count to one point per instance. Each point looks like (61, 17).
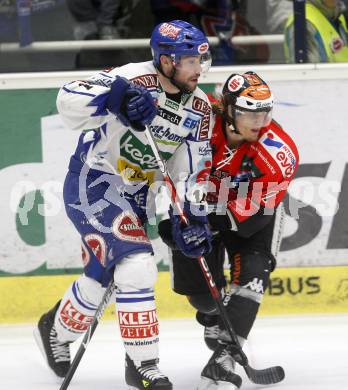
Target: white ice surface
(312, 350)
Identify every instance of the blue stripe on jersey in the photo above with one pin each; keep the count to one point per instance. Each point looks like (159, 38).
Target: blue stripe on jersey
(78, 93)
(133, 300)
(106, 75)
(100, 103)
(193, 137)
(74, 289)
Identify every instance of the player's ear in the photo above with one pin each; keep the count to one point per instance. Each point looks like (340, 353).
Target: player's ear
(165, 60)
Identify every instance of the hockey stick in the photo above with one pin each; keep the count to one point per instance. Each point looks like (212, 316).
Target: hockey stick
(88, 335)
(266, 376)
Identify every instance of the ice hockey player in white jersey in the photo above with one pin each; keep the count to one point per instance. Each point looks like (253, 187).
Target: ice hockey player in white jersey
(106, 191)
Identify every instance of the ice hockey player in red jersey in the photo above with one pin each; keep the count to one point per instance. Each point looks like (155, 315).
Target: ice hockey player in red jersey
(254, 160)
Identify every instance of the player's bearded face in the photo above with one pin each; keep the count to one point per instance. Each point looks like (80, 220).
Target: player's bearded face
(188, 71)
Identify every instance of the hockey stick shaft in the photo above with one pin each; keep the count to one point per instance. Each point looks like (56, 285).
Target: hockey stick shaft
(88, 335)
(203, 264)
(266, 376)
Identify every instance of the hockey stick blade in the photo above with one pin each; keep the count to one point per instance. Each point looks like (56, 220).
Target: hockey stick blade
(266, 376)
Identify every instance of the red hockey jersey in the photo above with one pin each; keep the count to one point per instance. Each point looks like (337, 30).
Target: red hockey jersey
(255, 174)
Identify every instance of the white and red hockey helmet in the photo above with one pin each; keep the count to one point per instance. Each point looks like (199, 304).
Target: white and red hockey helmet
(246, 95)
(248, 91)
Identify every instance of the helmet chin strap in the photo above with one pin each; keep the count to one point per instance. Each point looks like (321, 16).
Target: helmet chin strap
(232, 126)
(180, 87)
(234, 129)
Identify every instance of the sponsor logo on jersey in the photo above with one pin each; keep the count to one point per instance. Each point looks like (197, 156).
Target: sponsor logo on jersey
(263, 158)
(190, 123)
(146, 80)
(169, 116)
(135, 151)
(269, 140)
(102, 80)
(280, 152)
(162, 133)
(287, 161)
(205, 126)
(168, 30)
(73, 319)
(205, 150)
(131, 172)
(185, 97)
(97, 245)
(171, 104)
(128, 227)
(200, 105)
(138, 325)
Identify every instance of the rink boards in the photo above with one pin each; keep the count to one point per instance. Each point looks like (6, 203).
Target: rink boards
(291, 291)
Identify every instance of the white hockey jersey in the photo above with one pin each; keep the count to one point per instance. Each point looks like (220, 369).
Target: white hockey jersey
(182, 130)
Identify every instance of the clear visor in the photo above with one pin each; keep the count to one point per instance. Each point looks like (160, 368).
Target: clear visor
(199, 64)
(253, 119)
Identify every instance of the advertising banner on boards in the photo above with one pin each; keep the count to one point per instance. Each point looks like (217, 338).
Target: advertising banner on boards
(35, 149)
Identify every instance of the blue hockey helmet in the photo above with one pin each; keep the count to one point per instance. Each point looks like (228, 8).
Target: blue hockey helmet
(178, 38)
